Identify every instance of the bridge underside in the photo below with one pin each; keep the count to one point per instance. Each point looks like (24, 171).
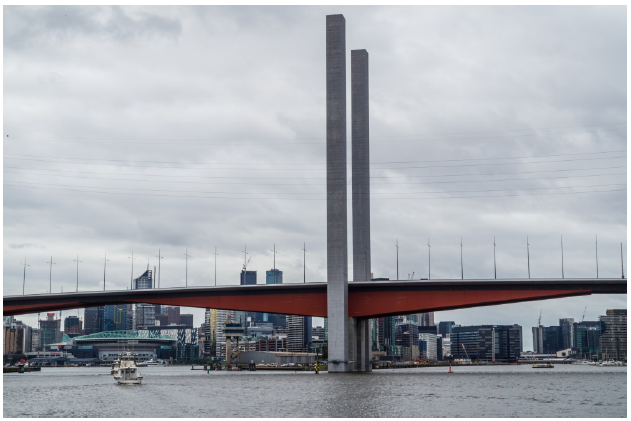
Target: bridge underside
(365, 299)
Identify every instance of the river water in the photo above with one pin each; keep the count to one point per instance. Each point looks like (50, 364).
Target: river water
(484, 391)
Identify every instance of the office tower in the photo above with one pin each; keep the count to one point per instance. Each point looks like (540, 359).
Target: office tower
(93, 320)
(210, 332)
(141, 315)
(73, 326)
(426, 319)
(299, 333)
(220, 324)
(552, 339)
(115, 317)
(273, 276)
(444, 328)
(162, 319)
(50, 331)
(613, 336)
(173, 315)
(567, 335)
(144, 281)
(476, 342)
(248, 277)
(186, 319)
(537, 339)
(587, 339)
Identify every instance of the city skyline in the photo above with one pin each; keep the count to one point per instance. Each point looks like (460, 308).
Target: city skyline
(188, 98)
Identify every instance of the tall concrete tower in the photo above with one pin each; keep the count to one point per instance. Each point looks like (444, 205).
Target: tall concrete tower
(337, 243)
(360, 345)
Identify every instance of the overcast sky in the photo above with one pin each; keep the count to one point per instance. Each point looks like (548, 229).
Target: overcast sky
(138, 129)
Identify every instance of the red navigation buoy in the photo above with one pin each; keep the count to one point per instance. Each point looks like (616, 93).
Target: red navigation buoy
(450, 372)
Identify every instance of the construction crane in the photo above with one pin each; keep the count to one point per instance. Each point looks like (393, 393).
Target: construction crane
(465, 352)
(539, 321)
(583, 318)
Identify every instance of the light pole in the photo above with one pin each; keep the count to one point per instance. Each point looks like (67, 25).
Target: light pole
(245, 263)
(621, 260)
(528, 251)
(397, 246)
(461, 265)
(562, 268)
(159, 270)
(304, 262)
(274, 254)
(25, 265)
(187, 256)
(596, 256)
(104, 269)
(429, 261)
(131, 279)
(51, 274)
(78, 261)
(494, 264)
(215, 253)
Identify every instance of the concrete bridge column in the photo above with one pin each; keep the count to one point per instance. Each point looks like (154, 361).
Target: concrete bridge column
(337, 246)
(360, 328)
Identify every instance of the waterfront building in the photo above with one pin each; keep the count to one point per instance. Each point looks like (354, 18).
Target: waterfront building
(50, 331)
(299, 333)
(551, 339)
(567, 334)
(108, 346)
(36, 340)
(537, 339)
(13, 340)
(210, 332)
(272, 344)
(428, 342)
(476, 343)
(187, 347)
(144, 315)
(587, 339)
(220, 324)
(613, 336)
(274, 276)
(248, 277)
(93, 320)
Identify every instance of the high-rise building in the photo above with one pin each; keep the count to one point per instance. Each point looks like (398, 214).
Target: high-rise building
(93, 320)
(299, 334)
(476, 342)
(274, 276)
(173, 315)
(406, 336)
(426, 319)
(73, 326)
(115, 317)
(587, 339)
(220, 324)
(444, 328)
(144, 281)
(210, 332)
(162, 319)
(613, 336)
(567, 334)
(50, 331)
(551, 340)
(428, 342)
(248, 277)
(141, 315)
(186, 319)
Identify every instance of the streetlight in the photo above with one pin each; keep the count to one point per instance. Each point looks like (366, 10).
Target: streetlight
(51, 274)
(596, 256)
(461, 265)
(78, 261)
(25, 265)
(429, 261)
(274, 254)
(159, 270)
(304, 262)
(187, 256)
(397, 246)
(131, 281)
(562, 271)
(494, 264)
(215, 253)
(528, 251)
(104, 268)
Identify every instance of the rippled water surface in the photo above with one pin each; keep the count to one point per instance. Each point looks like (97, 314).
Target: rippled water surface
(500, 391)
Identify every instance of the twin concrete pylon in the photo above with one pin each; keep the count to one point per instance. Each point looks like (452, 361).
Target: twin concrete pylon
(349, 338)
